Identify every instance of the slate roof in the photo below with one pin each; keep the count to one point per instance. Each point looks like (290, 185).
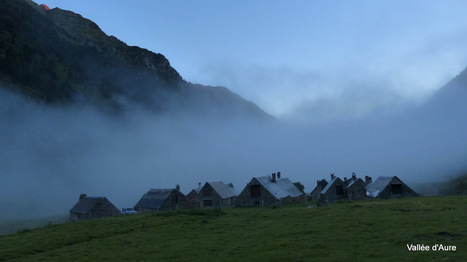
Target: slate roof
(154, 198)
(373, 189)
(85, 204)
(353, 182)
(349, 184)
(329, 185)
(282, 188)
(224, 191)
(319, 186)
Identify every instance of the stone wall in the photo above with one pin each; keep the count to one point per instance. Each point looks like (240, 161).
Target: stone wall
(405, 191)
(333, 193)
(265, 198)
(357, 190)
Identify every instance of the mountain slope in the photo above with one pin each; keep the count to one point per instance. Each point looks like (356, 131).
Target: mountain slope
(60, 57)
(444, 113)
(451, 98)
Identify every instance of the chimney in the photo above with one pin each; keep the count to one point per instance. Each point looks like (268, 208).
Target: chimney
(178, 188)
(278, 175)
(354, 176)
(274, 177)
(345, 178)
(332, 176)
(231, 185)
(367, 180)
(81, 196)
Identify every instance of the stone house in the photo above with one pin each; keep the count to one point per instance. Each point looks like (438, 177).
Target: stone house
(91, 208)
(335, 190)
(162, 200)
(217, 194)
(356, 189)
(193, 196)
(338, 189)
(389, 187)
(270, 191)
(320, 185)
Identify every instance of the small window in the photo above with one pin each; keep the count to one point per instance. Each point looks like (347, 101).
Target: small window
(207, 203)
(255, 191)
(396, 189)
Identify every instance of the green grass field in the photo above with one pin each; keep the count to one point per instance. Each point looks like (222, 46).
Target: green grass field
(370, 230)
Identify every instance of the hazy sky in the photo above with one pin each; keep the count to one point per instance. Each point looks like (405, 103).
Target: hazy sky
(298, 58)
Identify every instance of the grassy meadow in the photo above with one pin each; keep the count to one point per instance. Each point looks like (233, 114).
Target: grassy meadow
(370, 230)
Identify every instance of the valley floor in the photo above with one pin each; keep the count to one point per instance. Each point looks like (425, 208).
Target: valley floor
(370, 230)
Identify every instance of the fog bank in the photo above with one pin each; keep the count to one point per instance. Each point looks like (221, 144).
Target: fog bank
(49, 155)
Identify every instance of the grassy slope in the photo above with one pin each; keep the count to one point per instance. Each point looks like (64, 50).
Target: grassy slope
(454, 186)
(12, 226)
(376, 230)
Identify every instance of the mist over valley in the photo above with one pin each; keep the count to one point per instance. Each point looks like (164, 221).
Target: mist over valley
(93, 115)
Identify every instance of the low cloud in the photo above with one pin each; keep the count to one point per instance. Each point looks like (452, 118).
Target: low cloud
(378, 78)
(309, 95)
(49, 155)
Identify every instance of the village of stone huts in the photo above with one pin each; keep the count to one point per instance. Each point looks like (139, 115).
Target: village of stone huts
(263, 191)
